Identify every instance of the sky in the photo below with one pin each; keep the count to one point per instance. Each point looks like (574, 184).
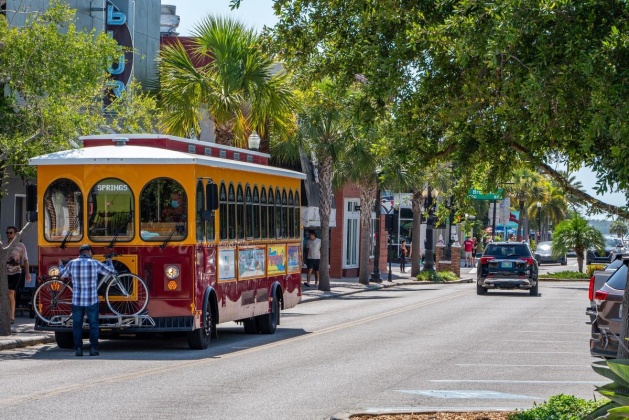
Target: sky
(257, 13)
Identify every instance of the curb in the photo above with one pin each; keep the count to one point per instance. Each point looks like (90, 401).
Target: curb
(26, 341)
(347, 416)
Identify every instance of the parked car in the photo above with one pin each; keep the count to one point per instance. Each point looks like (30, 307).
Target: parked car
(612, 245)
(507, 265)
(543, 254)
(598, 279)
(606, 326)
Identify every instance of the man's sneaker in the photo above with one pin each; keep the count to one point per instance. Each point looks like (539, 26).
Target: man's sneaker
(94, 352)
(78, 353)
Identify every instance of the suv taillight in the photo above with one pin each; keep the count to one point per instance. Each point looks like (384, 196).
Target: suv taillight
(600, 296)
(529, 260)
(591, 289)
(485, 260)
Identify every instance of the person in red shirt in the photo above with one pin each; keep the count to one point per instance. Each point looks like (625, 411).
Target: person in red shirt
(468, 246)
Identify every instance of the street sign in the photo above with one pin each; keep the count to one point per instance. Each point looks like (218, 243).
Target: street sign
(479, 195)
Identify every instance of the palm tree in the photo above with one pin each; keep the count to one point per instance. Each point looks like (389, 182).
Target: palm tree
(553, 209)
(525, 187)
(323, 130)
(228, 76)
(576, 234)
(619, 227)
(358, 164)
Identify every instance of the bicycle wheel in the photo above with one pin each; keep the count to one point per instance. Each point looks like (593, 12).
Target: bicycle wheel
(52, 301)
(126, 294)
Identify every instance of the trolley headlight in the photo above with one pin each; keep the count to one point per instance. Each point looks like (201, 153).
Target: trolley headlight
(171, 272)
(53, 270)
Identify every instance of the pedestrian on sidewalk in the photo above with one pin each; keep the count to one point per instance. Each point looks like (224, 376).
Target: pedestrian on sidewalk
(314, 256)
(17, 258)
(84, 273)
(404, 251)
(468, 246)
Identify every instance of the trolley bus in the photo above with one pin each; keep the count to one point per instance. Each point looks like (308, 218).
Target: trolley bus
(214, 232)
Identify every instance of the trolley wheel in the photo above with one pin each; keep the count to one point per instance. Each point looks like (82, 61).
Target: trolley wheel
(52, 301)
(65, 340)
(126, 294)
(199, 339)
(251, 326)
(267, 324)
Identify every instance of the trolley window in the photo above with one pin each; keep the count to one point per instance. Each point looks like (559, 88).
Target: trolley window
(110, 211)
(256, 213)
(263, 215)
(297, 219)
(63, 217)
(271, 208)
(240, 212)
(163, 210)
(223, 218)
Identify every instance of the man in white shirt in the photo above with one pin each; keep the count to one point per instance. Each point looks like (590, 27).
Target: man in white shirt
(314, 255)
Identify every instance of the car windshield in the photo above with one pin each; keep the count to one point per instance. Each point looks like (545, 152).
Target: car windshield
(618, 279)
(508, 250)
(544, 246)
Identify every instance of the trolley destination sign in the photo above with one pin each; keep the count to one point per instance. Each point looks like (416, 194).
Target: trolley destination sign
(479, 195)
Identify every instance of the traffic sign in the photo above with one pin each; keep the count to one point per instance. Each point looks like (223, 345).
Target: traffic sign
(479, 195)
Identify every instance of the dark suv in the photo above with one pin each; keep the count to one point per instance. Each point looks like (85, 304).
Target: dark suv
(612, 245)
(507, 265)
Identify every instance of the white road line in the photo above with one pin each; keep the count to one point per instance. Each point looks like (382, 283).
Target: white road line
(552, 332)
(530, 352)
(544, 341)
(504, 365)
(507, 381)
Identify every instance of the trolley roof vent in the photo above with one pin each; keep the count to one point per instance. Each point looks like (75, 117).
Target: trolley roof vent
(120, 141)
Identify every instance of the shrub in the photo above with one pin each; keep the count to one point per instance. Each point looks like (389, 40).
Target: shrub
(437, 276)
(592, 268)
(564, 407)
(575, 275)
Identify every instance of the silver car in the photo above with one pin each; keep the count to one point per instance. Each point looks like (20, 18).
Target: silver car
(543, 254)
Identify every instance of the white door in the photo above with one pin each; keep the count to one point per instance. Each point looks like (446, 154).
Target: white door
(351, 233)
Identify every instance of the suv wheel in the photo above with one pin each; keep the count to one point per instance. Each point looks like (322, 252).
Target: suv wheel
(480, 290)
(533, 290)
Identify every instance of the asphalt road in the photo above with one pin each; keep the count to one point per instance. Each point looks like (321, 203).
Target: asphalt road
(409, 347)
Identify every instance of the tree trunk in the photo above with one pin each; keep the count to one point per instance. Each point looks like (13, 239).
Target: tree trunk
(5, 308)
(367, 200)
(325, 169)
(417, 203)
(580, 258)
(521, 208)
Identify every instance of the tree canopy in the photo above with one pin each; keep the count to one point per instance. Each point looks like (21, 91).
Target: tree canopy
(55, 78)
(481, 84)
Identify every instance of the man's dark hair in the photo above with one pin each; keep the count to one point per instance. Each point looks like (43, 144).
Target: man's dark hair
(13, 228)
(311, 232)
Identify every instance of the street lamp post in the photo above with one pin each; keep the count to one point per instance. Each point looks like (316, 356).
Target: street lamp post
(539, 221)
(389, 224)
(430, 196)
(375, 276)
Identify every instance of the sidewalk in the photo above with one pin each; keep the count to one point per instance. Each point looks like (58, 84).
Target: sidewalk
(23, 334)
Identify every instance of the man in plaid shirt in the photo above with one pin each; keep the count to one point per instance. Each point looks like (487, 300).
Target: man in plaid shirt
(84, 273)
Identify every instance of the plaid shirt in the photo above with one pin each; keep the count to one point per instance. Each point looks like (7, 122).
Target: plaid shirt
(84, 273)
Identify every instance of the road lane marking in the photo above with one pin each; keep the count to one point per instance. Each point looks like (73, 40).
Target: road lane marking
(544, 341)
(507, 381)
(465, 394)
(505, 365)
(176, 366)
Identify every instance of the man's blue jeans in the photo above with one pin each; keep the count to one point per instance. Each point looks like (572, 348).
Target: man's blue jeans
(77, 325)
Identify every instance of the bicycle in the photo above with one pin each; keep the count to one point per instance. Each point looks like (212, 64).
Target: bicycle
(125, 294)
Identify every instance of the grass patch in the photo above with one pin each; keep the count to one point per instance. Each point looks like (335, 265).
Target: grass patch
(568, 275)
(443, 276)
(564, 407)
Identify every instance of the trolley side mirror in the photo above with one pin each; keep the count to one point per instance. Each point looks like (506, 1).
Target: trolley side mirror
(211, 192)
(31, 203)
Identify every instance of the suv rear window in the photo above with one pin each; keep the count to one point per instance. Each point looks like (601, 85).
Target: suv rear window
(618, 279)
(505, 250)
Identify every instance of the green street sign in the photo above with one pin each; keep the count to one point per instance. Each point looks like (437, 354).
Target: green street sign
(479, 195)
